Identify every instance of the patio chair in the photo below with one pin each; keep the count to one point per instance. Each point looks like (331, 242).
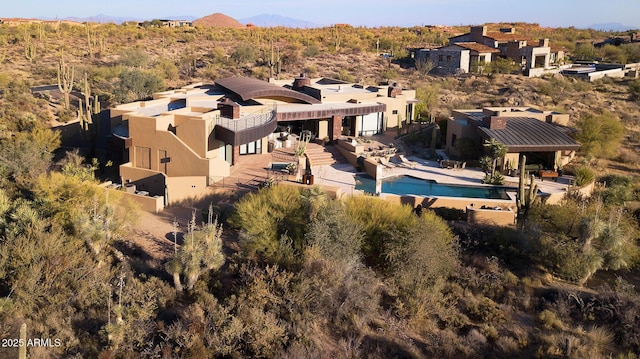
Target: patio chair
(405, 162)
(460, 165)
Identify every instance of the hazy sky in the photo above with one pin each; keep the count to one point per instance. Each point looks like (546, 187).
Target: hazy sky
(551, 13)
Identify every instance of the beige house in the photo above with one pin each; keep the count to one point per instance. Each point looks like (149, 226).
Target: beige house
(540, 135)
(482, 46)
(184, 140)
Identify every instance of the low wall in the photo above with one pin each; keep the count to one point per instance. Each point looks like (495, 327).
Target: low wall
(350, 146)
(448, 202)
(330, 191)
(153, 204)
(556, 198)
(370, 165)
(478, 215)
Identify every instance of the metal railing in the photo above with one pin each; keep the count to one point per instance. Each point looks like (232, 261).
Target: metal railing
(247, 121)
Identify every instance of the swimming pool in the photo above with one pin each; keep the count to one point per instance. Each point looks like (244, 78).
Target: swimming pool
(409, 185)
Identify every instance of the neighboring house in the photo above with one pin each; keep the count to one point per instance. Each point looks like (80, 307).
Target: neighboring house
(460, 57)
(480, 45)
(540, 135)
(176, 23)
(184, 140)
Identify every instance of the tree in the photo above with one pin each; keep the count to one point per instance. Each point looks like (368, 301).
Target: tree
(599, 135)
(496, 150)
(137, 85)
(424, 65)
(26, 155)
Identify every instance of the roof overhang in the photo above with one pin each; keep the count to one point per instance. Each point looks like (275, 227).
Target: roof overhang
(249, 88)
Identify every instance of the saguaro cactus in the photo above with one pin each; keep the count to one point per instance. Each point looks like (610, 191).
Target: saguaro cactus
(525, 197)
(65, 79)
(90, 116)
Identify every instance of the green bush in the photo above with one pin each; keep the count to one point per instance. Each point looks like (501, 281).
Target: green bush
(584, 175)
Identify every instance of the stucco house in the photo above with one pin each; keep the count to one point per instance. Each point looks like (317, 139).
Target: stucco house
(185, 139)
(481, 46)
(461, 57)
(540, 135)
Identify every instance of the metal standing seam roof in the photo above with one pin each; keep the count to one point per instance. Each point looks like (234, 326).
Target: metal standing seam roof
(529, 134)
(248, 88)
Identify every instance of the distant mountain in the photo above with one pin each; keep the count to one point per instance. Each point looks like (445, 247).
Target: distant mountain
(269, 20)
(101, 18)
(612, 26)
(218, 20)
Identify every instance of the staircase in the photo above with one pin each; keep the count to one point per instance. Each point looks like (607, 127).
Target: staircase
(323, 155)
(318, 155)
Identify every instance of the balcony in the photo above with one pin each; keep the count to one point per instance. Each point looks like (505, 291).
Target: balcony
(246, 129)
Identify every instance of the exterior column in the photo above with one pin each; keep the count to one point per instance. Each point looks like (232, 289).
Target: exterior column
(336, 127)
(236, 155)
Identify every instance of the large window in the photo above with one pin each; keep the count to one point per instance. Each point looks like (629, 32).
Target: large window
(251, 148)
(370, 124)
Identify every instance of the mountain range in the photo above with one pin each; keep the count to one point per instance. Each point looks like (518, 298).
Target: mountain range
(264, 20)
(271, 20)
(612, 26)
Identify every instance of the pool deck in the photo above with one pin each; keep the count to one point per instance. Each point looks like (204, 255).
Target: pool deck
(343, 176)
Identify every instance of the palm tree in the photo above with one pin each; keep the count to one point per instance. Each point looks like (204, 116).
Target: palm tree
(496, 150)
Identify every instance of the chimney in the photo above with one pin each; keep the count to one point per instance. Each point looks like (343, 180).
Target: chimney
(477, 32)
(495, 122)
(394, 90)
(543, 43)
(229, 109)
(300, 82)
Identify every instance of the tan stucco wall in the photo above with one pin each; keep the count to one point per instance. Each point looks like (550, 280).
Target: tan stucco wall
(490, 217)
(448, 202)
(186, 187)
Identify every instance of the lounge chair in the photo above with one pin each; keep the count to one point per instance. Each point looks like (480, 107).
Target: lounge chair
(405, 162)
(385, 162)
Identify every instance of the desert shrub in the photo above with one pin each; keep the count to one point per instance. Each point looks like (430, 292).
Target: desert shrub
(266, 216)
(311, 51)
(584, 175)
(137, 85)
(618, 189)
(549, 320)
(600, 135)
(133, 57)
(245, 53)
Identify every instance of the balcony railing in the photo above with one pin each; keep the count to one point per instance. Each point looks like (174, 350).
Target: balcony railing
(246, 122)
(247, 129)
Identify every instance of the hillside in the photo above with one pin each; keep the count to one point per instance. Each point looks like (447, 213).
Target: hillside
(218, 20)
(295, 274)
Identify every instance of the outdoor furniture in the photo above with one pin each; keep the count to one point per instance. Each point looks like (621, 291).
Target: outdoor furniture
(548, 174)
(385, 162)
(405, 162)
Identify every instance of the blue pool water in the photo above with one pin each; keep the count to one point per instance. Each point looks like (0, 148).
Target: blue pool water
(408, 185)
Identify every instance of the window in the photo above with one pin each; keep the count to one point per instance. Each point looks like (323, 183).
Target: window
(395, 112)
(448, 58)
(453, 140)
(440, 58)
(251, 148)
